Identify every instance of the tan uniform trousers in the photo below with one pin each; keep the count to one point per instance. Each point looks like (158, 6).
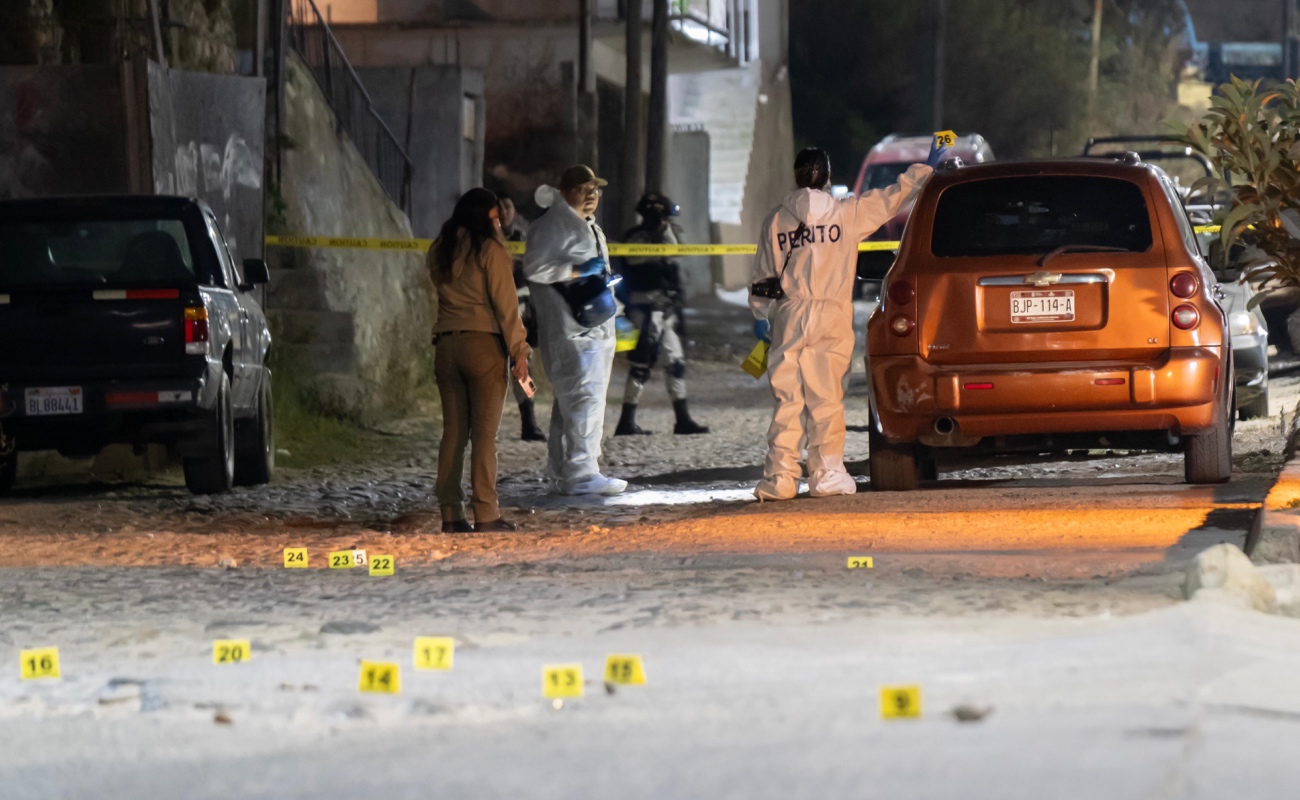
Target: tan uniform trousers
(470, 368)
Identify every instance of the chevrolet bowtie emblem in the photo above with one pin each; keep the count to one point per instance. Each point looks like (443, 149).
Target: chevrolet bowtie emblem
(1041, 278)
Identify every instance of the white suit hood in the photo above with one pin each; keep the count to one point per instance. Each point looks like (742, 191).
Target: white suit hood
(809, 205)
(560, 240)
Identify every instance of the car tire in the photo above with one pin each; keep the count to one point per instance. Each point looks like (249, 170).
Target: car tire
(215, 473)
(1255, 409)
(894, 467)
(255, 459)
(1207, 457)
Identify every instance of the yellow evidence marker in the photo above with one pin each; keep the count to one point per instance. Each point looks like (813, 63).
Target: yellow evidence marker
(861, 562)
(625, 668)
(231, 651)
(295, 558)
(756, 362)
(384, 677)
(562, 680)
(434, 652)
(382, 565)
(42, 662)
(341, 559)
(946, 138)
(897, 702)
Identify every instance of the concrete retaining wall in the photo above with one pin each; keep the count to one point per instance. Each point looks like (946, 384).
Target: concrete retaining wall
(356, 323)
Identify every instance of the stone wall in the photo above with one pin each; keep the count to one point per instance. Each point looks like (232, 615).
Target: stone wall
(355, 323)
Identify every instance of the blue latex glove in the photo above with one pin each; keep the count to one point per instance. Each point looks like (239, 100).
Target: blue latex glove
(938, 152)
(592, 266)
(763, 330)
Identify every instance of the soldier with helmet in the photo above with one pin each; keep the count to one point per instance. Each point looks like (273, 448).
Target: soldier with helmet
(653, 298)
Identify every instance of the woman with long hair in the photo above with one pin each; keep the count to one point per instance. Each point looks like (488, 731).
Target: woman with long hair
(477, 327)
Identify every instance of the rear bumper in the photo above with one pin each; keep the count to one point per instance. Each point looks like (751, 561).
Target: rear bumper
(1175, 393)
(138, 411)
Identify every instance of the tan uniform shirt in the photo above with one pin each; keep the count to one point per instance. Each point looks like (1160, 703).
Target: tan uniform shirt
(480, 295)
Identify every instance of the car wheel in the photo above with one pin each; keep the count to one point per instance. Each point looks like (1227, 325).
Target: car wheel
(255, 462)
(1208, 456)
(894, 467)
(215, 473)
(1255, 409)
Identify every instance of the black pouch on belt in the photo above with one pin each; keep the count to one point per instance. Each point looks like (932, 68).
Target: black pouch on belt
(770, 288)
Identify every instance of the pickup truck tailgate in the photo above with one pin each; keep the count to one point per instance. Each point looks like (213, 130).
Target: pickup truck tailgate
(73, 334)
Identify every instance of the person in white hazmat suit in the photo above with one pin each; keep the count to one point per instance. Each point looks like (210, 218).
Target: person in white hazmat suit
(566, 244)
(809, 247)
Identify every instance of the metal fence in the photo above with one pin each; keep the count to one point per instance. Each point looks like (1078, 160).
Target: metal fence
(356, 114)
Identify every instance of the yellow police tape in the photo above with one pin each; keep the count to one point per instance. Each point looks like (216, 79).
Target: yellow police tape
(615, 249)
(517, 248)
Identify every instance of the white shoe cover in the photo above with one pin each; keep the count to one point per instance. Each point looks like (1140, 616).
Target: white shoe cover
(829, 483)
(781, 487)
(598, 484)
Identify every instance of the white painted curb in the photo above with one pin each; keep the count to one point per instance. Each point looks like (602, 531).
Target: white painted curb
(1275, 536)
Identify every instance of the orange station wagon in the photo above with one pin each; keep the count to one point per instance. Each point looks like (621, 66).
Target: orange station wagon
(1048, 306)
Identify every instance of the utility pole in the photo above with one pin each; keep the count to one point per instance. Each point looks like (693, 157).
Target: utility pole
(1094, 67)
(657, 120)
(631, 166)
(588, 133)
(940, 37)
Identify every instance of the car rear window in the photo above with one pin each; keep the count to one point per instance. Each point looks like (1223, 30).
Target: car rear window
(94, 252)
(1039, 213)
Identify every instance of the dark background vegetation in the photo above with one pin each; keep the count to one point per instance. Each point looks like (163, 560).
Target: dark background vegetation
(1016, 72)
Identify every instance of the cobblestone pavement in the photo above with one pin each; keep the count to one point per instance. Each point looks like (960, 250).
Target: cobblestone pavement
(1050, 590)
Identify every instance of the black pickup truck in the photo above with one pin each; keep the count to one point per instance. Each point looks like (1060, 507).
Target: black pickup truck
(125, 319)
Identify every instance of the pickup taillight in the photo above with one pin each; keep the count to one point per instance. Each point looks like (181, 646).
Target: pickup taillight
(196, 331)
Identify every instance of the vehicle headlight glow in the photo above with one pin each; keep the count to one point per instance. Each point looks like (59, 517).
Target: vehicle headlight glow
(1242, 323)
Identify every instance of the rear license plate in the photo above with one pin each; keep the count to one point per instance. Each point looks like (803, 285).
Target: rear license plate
(53, 400)
(1046, 306)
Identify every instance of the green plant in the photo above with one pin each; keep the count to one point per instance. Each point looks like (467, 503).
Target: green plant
(1254, 136)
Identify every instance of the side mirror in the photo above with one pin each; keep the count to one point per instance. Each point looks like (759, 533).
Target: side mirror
(255, 272)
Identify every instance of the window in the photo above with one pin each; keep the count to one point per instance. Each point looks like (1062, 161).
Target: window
(1039, 213)
(1185, 228)
(880, 176)
(94, 252)
(232, 278)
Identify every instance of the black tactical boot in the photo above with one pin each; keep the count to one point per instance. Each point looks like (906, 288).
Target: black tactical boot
(627, 423)
(531, 433)
(685, 425)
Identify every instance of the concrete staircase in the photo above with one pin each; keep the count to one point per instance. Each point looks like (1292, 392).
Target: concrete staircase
(307, 337)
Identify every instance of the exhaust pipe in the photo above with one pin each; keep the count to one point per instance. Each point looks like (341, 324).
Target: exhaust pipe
(944, 426)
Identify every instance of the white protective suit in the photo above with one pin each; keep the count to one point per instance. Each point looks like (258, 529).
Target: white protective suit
(578, 360)
(812, 326)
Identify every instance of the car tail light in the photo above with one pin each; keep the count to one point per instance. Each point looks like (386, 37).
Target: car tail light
(1186, 317)
(1183, 284)
(977, 387)
(901, 292)
(901, 324)
(196, 331)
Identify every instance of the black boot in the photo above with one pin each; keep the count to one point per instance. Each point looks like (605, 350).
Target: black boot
(627, 423)
(686, 425)
(531, 433)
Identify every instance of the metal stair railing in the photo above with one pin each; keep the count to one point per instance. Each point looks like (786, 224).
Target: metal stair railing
(312, 38)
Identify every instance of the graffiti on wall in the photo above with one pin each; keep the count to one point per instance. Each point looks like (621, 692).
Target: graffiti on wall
(223, 169)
